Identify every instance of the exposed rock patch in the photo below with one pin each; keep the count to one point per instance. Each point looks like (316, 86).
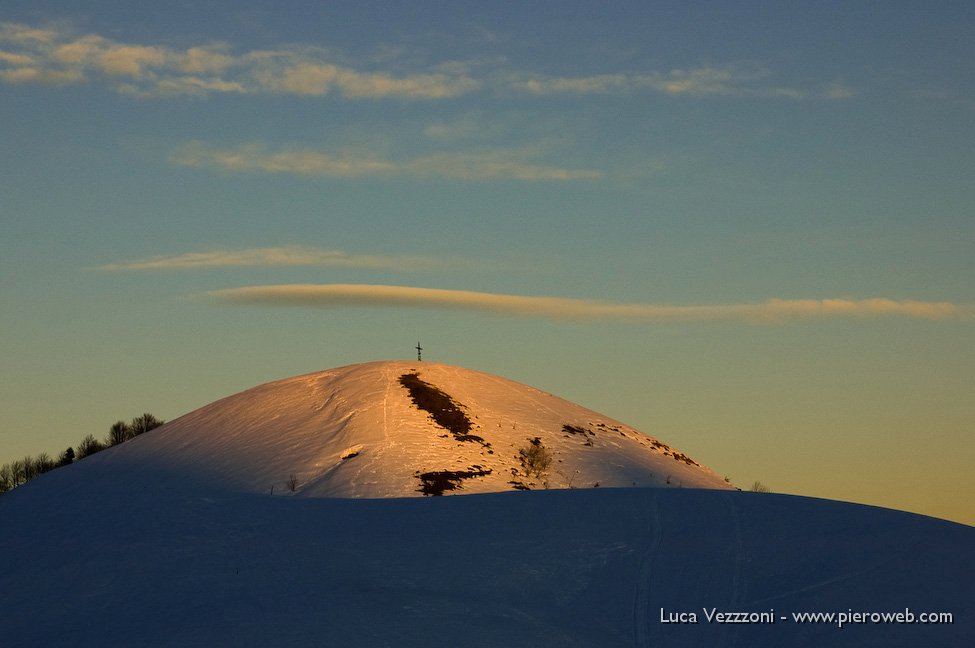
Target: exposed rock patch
(436, 482)
(445, 411)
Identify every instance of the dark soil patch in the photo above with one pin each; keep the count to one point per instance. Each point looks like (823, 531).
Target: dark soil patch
(577, 429)
(680, 456)
(665, 450)
(445, 411)
(436, 482)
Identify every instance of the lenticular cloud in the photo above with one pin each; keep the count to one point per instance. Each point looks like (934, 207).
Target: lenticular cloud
(559, 308)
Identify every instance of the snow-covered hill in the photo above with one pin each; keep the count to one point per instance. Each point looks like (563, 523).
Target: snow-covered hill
(174, 538)
(372, 430)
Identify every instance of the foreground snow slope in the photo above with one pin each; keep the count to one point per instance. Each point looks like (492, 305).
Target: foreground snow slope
(104, 561)
(356, 432)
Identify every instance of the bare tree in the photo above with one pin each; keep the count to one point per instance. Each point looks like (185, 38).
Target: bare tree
(535, 458)
(16, 473)
(292, 483)
(43, 463)
(6, 478)
(120, 432)
(89, 446)
(28, 469)
(143, 424)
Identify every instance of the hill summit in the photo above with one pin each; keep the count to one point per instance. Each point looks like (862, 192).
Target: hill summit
(401, 429)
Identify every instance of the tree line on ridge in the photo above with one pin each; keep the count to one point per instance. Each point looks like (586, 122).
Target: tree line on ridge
(20, 471)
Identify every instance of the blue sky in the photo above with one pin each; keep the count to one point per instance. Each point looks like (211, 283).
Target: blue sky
(746, 230)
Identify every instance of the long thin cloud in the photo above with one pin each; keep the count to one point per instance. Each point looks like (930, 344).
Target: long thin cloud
(557, 308)
(291, 255)
(496, 164)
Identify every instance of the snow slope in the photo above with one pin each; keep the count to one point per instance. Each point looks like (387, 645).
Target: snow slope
(356, 432)
(99, 562)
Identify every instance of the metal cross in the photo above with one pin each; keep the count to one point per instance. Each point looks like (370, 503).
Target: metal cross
(418, 350)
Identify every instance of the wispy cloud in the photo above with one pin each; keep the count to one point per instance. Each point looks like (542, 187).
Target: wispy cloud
(557, 308)
(472, 125)
(254, 157)
(305, 73)
(498, 164)
(493, 164)
(53, 56)
(30, 54)
(545, 85)
(291, 255)
(737, 79)
(838, 90)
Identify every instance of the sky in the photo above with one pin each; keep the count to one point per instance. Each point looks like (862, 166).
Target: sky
(744, 228)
